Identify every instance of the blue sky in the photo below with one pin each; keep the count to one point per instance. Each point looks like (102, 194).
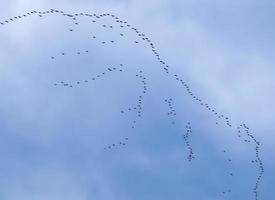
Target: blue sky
(53, 136)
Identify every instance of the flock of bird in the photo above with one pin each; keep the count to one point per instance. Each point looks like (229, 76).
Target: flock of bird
(138, 107)
(172, 112)
(242, 131)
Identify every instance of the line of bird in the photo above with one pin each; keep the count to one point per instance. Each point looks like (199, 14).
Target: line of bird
(189, 131)
(91, 79)
(231, 174)
(250, 138)
(118, 144)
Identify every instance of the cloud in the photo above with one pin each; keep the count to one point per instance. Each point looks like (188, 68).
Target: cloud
(221, 57)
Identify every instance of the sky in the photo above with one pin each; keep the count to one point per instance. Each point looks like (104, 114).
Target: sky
(57, 141)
